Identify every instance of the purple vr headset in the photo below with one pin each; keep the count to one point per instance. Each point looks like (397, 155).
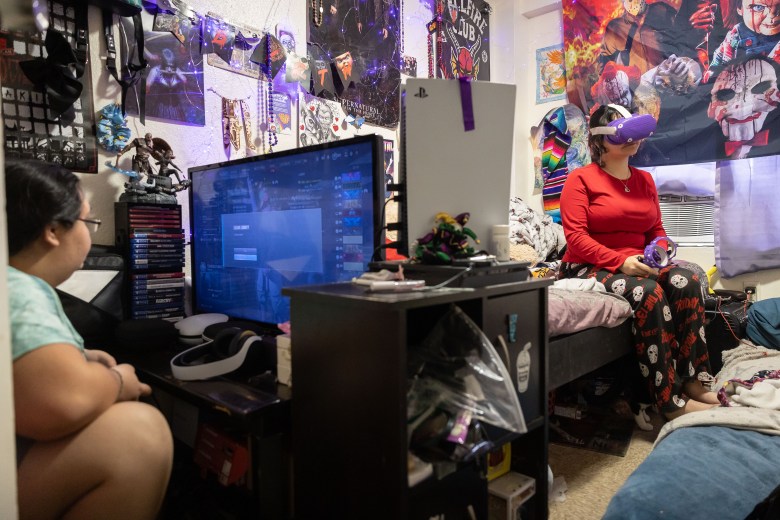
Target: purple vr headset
(656, 255)
(627, 129)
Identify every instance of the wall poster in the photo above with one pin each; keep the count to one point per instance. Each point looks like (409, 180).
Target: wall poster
(31, 132)
(550, 74)
(354, 46)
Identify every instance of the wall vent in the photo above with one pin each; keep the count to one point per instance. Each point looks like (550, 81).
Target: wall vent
(689, 221)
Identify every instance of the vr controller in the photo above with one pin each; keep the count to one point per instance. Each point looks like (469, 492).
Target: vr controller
(627, 129)
(658, 256)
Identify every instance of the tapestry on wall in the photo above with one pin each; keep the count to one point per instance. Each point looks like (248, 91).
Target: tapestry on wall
(45, 120)
(747, 238)
(465, 49)
(174, 81)
(358, 40)
(711, 85)
(550, 74)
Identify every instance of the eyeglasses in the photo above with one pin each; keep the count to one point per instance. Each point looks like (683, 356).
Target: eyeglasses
(93, 224)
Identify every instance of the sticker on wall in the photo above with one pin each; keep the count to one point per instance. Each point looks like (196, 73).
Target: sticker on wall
(523, 365)
(282, 107)
(550, 74)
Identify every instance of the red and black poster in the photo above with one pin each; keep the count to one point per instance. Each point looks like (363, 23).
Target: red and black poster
(465, 47)
(707, 70)
(354, 46)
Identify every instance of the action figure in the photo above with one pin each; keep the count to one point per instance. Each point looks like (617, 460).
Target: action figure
(146, 185)
(164, 154)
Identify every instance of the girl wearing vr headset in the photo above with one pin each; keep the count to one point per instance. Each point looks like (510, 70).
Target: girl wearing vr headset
(85, 447)
(610, 214)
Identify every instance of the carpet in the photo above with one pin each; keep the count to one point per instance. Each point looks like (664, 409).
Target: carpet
(600, 430)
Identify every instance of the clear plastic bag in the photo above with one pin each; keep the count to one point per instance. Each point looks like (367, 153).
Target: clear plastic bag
(459, 382)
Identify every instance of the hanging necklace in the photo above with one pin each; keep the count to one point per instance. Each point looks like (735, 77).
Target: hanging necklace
(317, 12)
(621, 181)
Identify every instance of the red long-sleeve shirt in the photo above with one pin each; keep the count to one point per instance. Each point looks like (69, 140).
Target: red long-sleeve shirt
(602, 222)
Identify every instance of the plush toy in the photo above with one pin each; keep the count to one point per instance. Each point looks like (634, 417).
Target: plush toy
(448, 240)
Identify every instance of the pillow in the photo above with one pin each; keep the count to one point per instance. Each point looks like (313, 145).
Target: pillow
(572, 310)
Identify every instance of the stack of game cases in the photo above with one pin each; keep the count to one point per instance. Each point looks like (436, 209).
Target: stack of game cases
(156, 259)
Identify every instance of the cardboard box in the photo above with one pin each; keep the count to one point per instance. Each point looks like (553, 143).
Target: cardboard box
(219, 453)
(507, 494)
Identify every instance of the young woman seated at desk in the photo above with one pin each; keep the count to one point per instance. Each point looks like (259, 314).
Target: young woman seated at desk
(85, 447)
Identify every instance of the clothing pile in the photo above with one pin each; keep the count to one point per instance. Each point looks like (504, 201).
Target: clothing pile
(527, 226)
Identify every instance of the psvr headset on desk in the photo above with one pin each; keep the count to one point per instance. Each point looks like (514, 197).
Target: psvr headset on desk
(627, 129)
(229, 349)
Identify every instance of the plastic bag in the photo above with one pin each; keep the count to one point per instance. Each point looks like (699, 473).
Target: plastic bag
(460, 382)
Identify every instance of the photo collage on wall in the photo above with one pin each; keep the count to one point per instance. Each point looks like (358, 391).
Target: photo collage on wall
(33, 129)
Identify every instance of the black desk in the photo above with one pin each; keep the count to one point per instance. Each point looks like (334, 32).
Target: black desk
(233, 404)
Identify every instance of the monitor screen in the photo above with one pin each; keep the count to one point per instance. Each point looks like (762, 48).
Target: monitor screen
(303, 216)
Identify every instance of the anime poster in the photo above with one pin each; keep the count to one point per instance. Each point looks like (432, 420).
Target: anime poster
(321, 121)
(465, 50)
(550, 74)
(32, 130)
(174, 81)
(354, 46)
(707, 70)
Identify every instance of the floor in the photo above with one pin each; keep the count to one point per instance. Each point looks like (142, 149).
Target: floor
(592, 478)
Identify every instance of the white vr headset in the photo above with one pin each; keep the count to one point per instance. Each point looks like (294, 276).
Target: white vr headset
(229, 349)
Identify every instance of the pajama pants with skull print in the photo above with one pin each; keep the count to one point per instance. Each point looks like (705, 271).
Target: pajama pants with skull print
(668, 326)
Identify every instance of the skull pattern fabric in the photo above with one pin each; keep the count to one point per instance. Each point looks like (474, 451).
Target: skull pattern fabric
(668, 326)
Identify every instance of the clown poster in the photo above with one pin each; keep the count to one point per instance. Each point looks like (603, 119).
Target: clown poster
(707, 70)
(355, 48)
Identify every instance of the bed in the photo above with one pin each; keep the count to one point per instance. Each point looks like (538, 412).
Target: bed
(719, 463)
(587, 330)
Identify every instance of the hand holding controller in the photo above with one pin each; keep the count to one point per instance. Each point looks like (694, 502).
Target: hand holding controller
(657, 256)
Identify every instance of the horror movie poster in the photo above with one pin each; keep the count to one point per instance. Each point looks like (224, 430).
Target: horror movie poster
(707, 70)
(354, 49)
(466, 47)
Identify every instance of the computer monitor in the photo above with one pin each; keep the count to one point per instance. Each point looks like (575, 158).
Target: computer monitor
(303, 216)
(445, 167)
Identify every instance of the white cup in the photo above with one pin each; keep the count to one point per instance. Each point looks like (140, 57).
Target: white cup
(499, 242)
